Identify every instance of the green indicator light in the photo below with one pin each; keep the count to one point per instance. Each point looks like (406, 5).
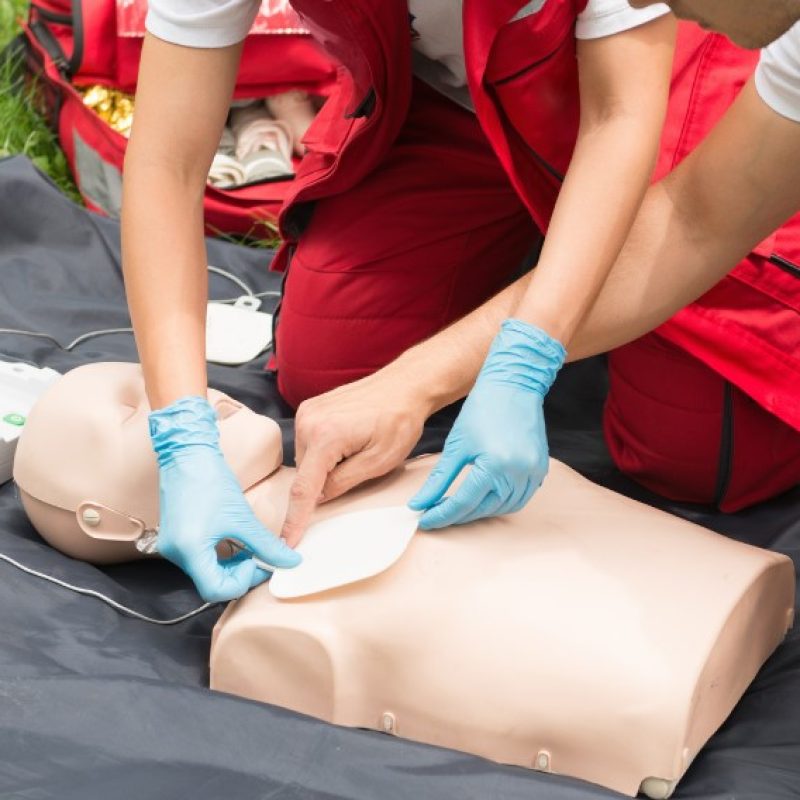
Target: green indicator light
(14, 419)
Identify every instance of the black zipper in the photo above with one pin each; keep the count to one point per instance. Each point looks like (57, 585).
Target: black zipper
(294, 228)
(548, 167)
(277, 310)
(365, 107)
(725, 468)
(551, 169)
(785, 265)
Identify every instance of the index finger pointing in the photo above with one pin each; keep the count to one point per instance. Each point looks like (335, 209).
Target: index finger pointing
(304, 494)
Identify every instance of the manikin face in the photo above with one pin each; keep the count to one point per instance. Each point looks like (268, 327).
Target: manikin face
(749, 23)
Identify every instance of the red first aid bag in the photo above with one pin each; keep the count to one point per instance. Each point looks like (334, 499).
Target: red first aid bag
(79, 43)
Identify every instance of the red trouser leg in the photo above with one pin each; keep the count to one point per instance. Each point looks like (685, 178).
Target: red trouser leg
(431, 234)
(680, 429)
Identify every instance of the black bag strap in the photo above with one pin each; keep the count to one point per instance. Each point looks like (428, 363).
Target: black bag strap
(38, 19)
(50, 45)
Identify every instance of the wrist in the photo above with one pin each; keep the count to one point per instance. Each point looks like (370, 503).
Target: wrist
(523, 355)
(558, 326)
(536, 337)
(408, 376)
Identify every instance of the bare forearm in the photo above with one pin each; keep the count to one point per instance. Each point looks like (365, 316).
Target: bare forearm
(624, 86)
(558, 294)
(694, 226)
(453, 357)
(691, 229)
(607, 179)
(163, 256)
(181, 102)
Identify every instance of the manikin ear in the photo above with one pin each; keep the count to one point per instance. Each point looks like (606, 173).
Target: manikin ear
(225, 407)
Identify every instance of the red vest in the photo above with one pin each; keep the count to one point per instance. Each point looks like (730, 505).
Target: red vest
(523, 79)
(747, 328)
(511, 68)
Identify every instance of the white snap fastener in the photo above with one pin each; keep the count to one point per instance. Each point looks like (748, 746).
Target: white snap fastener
(542, 761)
(91, 516)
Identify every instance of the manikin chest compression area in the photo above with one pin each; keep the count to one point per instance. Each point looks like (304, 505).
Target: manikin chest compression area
(587, 635)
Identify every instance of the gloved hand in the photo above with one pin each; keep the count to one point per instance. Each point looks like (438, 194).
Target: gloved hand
(500, 431)
(203, 504)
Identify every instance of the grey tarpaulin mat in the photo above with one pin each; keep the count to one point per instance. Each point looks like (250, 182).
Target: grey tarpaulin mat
(97, 705)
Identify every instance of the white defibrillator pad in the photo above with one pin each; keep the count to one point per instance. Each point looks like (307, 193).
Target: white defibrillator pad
(347, 548)
(238, 333)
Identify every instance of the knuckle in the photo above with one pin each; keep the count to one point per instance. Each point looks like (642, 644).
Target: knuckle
(301, 489)
(334, 486)
(308, 423)
(303, 423)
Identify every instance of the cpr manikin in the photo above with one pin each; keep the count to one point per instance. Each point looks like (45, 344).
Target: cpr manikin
(587, 635)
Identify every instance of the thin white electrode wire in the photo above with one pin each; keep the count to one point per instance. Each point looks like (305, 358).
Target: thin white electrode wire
(47, 336)
(93, 334)
(233, 278)
(257, 295)
(84, 337)
(104, 598)
(74, 343)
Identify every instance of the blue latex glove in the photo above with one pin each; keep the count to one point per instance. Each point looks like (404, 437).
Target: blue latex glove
(500, 431)
(202, 504)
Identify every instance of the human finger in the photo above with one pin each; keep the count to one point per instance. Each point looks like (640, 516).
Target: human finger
(259, 574)
(467, 498)
(304, 495)
(520, 497)
(357, 469)
(490, 506)
(265, 546)
(217, 582)
(439, 480)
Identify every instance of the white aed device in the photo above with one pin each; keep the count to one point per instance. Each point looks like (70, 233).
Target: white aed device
(20, 387)
(237, 333)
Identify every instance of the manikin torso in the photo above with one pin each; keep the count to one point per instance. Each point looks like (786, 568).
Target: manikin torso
(587, 635)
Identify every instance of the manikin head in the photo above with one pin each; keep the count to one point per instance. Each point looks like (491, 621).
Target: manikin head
(748, 23)
(86, 471)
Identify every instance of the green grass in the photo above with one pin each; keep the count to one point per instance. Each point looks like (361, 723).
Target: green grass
(22, 129)
(9, 11)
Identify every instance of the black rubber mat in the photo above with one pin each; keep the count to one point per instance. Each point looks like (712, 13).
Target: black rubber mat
(94, 704)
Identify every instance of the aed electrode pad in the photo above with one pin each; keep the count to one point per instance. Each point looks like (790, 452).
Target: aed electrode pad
(238, 333)
(346, 548)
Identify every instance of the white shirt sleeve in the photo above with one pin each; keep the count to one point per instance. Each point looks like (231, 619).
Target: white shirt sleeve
(778, 74)
(607, 17)
(201, 23)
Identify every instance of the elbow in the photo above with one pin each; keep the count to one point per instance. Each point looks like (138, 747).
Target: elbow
(151, 168)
